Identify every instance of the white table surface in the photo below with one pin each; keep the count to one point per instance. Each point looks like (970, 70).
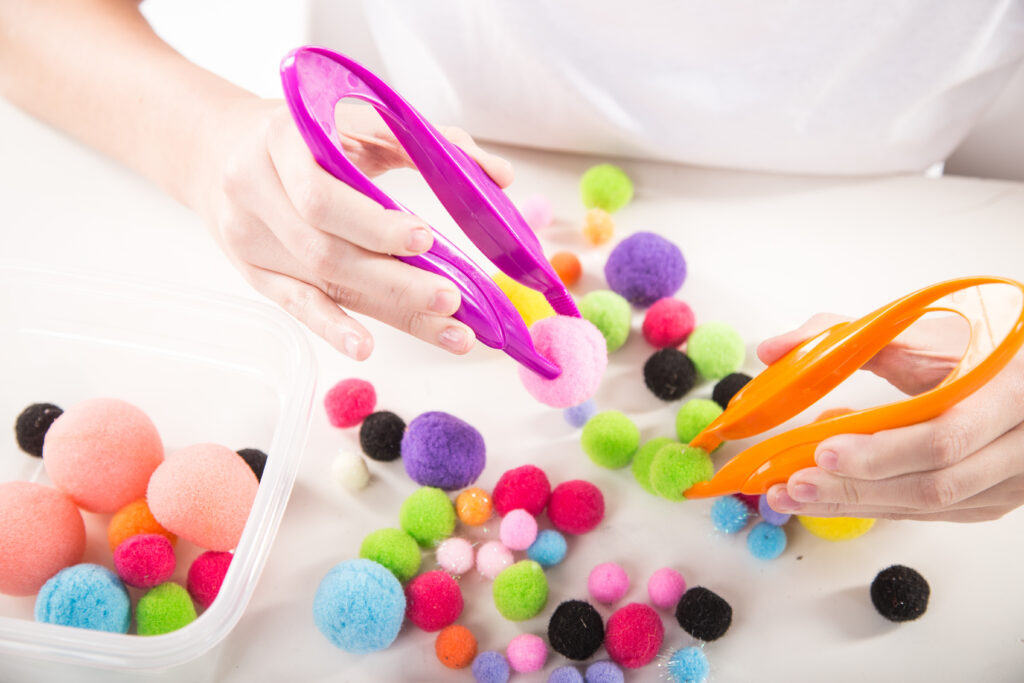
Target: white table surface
(764, 253)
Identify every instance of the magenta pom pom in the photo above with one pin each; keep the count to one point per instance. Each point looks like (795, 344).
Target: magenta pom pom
(668, 323)
(634, 635)
(349, 402)
(206, 575)
(433, 600)
(576, 507)
(145, 561)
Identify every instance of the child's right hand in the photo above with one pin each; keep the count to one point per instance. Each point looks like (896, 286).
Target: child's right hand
(316, 246)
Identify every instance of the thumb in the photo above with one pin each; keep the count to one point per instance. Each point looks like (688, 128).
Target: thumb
(774, 348)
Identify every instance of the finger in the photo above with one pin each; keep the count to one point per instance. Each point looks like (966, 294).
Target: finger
(774, 348)
(781, 501)
(923, 355)
(498, 168)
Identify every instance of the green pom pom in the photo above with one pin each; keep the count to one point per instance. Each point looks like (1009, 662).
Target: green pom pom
(607, 187)
(395, 550)
(610, 313)
(694, 416)
(643, 459)
(163, 609)
(610, 439)
(521, 591)
(428, 516)
(716, 349)
(677, 467)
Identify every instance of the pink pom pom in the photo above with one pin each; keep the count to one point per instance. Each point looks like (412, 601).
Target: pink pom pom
(527, 653)
(349, 402)
(145, 561)
(518, 530)
(667, 323)
(634, 635)
(455, 555)
(579, 349)
(492, 557)
(537, 212)
(206, 575)
(665, 587)
(608, 583)
(433, 601)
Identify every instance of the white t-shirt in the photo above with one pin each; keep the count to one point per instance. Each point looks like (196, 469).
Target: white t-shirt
(799, 86)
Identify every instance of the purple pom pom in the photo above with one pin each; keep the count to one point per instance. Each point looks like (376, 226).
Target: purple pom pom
(644, 268)
(771, 516)
(441, 450)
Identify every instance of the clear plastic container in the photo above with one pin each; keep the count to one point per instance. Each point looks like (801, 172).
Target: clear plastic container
(204, 367)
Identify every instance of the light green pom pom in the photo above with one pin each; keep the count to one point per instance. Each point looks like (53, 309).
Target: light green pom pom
(610, 439)
(610, 314)
(521, 591)
(643, 459)
(694, 416)
(716, 350)
(677, 467)
(607, 187)
(428, 516)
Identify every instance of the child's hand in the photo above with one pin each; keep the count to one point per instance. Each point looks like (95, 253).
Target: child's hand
(315, 245)
(966, 465)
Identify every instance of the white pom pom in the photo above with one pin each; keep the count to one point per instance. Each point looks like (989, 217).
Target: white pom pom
(349, 470)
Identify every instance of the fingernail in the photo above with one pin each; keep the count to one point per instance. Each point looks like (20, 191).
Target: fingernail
(351, 343)
(419, 240)
(827, 460)
(783, 503)
(453, 338)
(445, 302)
(807, 493)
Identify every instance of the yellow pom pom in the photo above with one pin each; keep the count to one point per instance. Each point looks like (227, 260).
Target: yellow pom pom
(530, 303)
(598, 226)
(836, 528)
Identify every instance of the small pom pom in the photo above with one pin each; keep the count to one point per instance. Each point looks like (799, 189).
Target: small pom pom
(766, 541)
(688, 665)
(900, 593)
(525, 487)
(676, 468)
(576, 507)
(490, 667)
(537, 212)
(359, 606)
(694, 416)
(474, 506)
(667, 323)
(575, 630)
(669, 374)
(492, 558)
(729, 514)
(530, 303)
(729, 386)
(610, 314)
(443, 451)
(665, 587)
(527, 653)
(567, 267)
(645, 267)
(433, 601)
(610, 439)
(518, 530)
(85, 596)
(703, 614)
(455, 555)
(634, 635)
(164, 609)
(206, 575)
(428, 516)
(604, 672)
(394, 550)
(131, 520)
(598, 227)
(566, 674)
(349, 401)
(380, 436)
(770, 515)
(549, 549)
(577, 416)
(608, 583)
(349, 471)
(520, 591)
(32, 424)
(641, 466)
(255, 459)
(575, 346)
(455, 646)
(836, 528)
(145, 561)
(606, 186)
(716, 349)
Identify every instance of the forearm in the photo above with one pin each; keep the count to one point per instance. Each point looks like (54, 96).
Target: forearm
(95, 69)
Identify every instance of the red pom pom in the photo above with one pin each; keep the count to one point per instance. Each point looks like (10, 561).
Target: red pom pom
(433, 600)
(750, 499)
(525, 487)
(576, 507)
(668, 323)
(634, 635)
(349, 402)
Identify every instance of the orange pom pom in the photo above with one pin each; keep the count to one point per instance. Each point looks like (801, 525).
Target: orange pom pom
(474, 506)
(598, 226)
(134, 519)
(455, 646)
(567, 266)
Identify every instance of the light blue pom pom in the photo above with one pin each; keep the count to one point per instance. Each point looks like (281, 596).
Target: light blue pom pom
(729, 514)
(766, 541)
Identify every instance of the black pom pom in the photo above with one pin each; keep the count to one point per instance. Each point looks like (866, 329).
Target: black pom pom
(703, 614)
(575, 630)
(727, 388)
(255, 459)
(31, 426)
(669, 374)
(900, 593)
(381, 436)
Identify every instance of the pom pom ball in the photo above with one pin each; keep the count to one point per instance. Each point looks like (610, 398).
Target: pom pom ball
(607, 583)
(766, 541)
(380, 436)
(665, 587)
(604, 672)
(575, 346)
(688, 665)
(433, 600)
(567, 267)
(577, 416)
(474, 506)
(492, 558)
(641, 466)
(575, 630)
(770, 515)
(836, 528)
(667, 323)
(518, 530)
(455, 555)
(748, 498)
(549, 549)
(164, 609)
(101, 452)
(645, 267)
(203, 493)
(32, 424)
(598, 226)
(610, 314)
(133, 519)
(537, 212)
(900, 593)
(694, 416)
(610, 439)
(634, 635)
(525, 487)
(729, 386)
(85, 596)
(703, 614)
(441, 450)
(527, 653)
(349, 402)
(605, 186)
(669, 374)
(255, 459)
(145, 561)
(455, 646)
(576, 507)
(520, 591)
(41, 532)
(717, 350)
(393, 549)
(349, 471)
(428, 516)
(206, 575)
(531, 304)
(490, 667)
(359, 606)
(729, 514)
(676, 467)
(566, 674)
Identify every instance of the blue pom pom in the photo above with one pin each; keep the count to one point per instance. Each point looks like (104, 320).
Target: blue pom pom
(729, 514)
(769, 515)
(604, 672)
(491, 667)
(359, 606)
(688, 665)
(566, 674)
(85, 596)
(548, 549)
(766, 541)
(577, 416)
